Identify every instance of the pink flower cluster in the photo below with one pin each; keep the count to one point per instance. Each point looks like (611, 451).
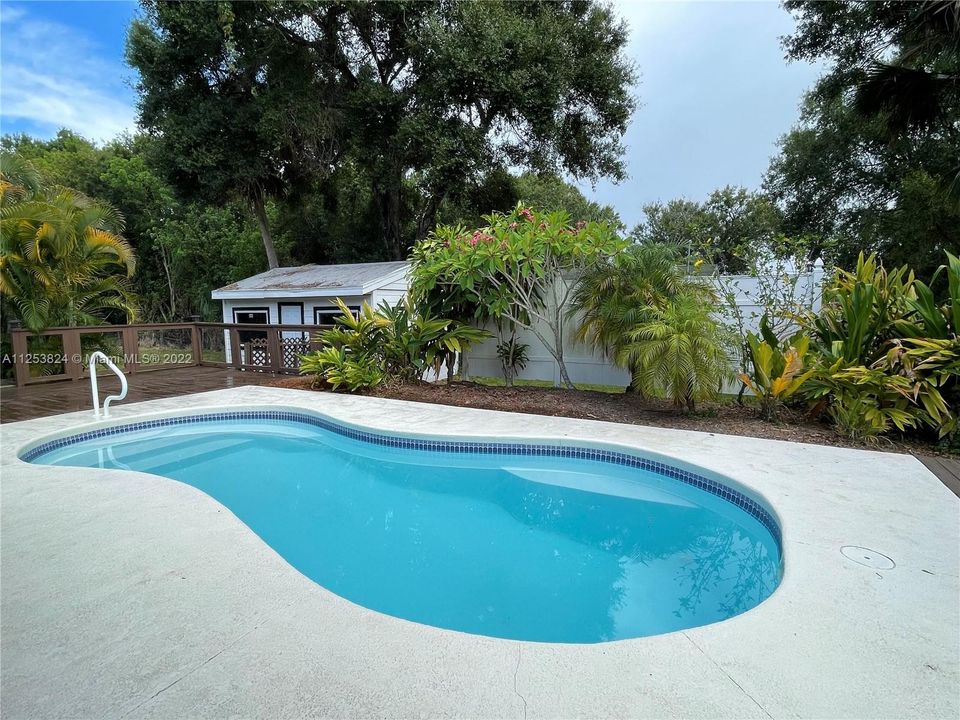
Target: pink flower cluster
(581, 224)
(479, 236)
(526, 214)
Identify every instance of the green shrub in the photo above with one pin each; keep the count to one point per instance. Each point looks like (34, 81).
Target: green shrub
(864, 402)
(390, 343)
(888, 351)
(632, 291)
(778, 369)
(512, 266)
(860, 312)
(931, 319)
(513, 358)
(415, 341)
(339, 369)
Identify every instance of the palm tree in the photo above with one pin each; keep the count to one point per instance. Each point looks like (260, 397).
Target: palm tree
(18, 178)
(63, 260)
(918, 86)
(678, 351)
(615, 299)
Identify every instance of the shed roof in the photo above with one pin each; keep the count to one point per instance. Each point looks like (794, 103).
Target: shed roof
(315, 280)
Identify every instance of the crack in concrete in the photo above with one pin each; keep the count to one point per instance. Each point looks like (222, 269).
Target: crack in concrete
(192, 670)
(729, 676)
(516, 671)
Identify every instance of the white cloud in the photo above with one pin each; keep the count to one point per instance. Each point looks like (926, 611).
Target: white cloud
(9, 13)
(51, 77)
(715, 95)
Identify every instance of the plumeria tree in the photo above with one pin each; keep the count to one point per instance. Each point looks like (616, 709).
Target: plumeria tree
(523, 266)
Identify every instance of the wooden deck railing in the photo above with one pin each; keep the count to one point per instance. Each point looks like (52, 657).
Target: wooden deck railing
(62, 353)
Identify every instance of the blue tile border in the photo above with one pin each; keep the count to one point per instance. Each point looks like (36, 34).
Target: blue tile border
(713, 487)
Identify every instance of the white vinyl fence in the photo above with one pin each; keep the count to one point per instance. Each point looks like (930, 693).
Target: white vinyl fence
(586, 365)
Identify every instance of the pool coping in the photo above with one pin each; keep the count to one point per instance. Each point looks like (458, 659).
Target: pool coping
(764, 662)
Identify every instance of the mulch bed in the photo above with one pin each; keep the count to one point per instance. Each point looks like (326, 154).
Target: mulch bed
(727, 418)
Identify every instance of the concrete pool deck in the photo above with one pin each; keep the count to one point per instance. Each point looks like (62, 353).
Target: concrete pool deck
(130, 595)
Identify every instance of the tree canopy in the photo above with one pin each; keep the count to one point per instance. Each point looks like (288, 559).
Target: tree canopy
(873, 162)
(187, 247)
(424, 94)
(723, 230)
(184, 249)
(902, 59)
(232, 104)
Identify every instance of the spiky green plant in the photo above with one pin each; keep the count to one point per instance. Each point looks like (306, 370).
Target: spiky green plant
(890, 356)
(927, 317)
(415, 340)
(778, 367)
(392, 342)
(860, 311)
(513, 358)
(340, 369)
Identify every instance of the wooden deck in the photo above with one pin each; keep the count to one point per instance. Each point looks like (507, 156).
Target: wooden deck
(944, 468)
(33, 401)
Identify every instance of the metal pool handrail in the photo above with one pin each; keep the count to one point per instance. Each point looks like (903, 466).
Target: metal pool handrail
(94, 390)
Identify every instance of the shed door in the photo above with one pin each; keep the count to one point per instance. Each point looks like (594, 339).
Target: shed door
(293, 343)
(253, 343)
(291, 314)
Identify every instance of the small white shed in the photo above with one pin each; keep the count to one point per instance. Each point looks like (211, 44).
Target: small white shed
(306, 295)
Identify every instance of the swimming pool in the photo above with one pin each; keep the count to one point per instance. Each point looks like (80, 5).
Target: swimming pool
(542, 542)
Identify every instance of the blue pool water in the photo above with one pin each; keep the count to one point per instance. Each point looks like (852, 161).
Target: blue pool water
(510, 545)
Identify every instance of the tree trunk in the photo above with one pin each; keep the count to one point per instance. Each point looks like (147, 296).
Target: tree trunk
(558, 337)
(387, 197)
(428, 218)
(556, 350)
(506, 364)
(261, 213)
(564, 377)
(745, 358)
(172, 296)
(632, 389)
(451, 363)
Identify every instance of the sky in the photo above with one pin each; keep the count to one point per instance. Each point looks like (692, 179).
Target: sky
(715, 93)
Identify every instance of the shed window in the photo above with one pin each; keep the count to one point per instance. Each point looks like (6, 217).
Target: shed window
(251, 316)
(328, 315)
(258, 317)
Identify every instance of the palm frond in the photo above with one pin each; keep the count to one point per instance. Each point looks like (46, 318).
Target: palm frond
(63, 259)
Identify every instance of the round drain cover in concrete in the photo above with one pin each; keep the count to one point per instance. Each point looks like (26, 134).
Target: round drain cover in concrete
(868, 557)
